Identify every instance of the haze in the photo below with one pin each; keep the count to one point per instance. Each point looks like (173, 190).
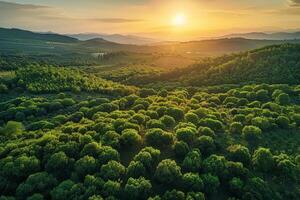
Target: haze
(152, 18)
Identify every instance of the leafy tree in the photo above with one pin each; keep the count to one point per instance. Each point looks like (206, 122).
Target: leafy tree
(215, 165)
(136, 169)
(263, 160)
(59, 165)
(206, 144)
(40, 182)
(111, 138)
(85, 165)
(174, 195)
(12, 129)
(192, 161)
(192, 182)
(210, 182)
(158, 137)
(91, 149)
(282, 121)
(167, 121)
(206, 131)
(130, 138)
(191, 117)
(236, 128)
(195, 196)
(236, 186)
(63, 190)
(283, 99)
(239, 153)
(251, 133)
(185, 134)
(181, 149)
(167, 172)
(137, 188)
(111, 188)
(112, 170)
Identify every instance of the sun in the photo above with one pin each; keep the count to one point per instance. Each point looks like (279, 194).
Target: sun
(179, 20)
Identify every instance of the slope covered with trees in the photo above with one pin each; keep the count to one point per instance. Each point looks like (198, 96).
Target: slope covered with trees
(238, 143)
(271, 64)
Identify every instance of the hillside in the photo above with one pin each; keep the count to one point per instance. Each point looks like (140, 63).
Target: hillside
(271, 64)
(14, 41)
(17, 34)
(266, 36)
(118, 38)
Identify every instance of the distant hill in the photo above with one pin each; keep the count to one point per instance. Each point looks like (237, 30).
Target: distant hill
(117, 38)
(28, 35)
(271, 64)
(15, 41)
(266, 36)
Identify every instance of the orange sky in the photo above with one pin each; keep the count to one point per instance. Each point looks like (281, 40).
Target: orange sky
(152, 18)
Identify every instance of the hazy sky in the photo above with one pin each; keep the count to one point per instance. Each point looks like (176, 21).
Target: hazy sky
(152, 18)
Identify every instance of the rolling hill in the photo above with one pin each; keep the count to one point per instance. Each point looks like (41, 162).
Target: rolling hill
(15, 41)
(266, 36)
(117, 38)
(276, 64)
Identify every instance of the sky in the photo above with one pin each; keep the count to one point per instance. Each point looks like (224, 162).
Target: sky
(161, 19)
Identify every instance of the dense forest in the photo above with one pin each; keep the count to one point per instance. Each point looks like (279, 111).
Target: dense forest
(271, 64)
(226, 127)
(66, 134)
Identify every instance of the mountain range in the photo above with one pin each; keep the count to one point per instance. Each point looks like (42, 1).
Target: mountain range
(16, 41)
(117, 38)
(266, 36)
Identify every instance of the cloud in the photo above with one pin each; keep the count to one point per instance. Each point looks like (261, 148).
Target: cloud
(13, 14)
(294, 2)
(115, 20)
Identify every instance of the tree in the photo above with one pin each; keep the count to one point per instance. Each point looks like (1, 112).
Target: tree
(236, 128)
(236, 186)
(40, 182)
(206, 131)
(192, 182)
(130, 138)
(283, 99)
(167, 172)
(174, 195)
(111, 138)
(251, 133)
(215, 165)
(36, 196)
(176, 113)
(195, 196)
(214, 124)
(239, 153)
(137, 188)
(192, 161)
(181, 149)
(12, 129)
(63, 190)
(112, 170)
(185, 134)
(168, 121)
(85, 165)
(191, 117)
(59, 164)
(111, 188)
(206, 144)
(158, 137)
(136, 169)
(210, 182)
(107, 154)
(282, 121)
(263, 160)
